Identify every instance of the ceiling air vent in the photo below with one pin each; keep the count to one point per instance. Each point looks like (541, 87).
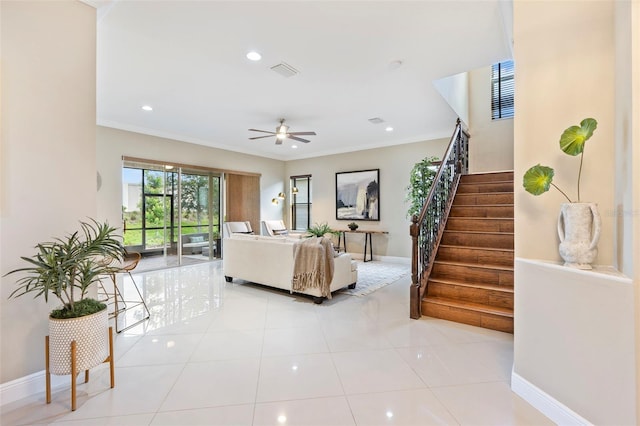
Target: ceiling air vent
(376, 120)
(285, 69)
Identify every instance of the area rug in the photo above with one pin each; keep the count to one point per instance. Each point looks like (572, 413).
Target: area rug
(375, 275)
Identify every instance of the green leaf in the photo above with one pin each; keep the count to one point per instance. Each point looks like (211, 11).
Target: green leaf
(537, 179)
(573, 139)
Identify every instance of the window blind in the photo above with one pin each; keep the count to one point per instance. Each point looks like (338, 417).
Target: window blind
(502, 90)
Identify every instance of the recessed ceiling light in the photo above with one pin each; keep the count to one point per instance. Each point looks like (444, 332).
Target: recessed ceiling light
(147, 108)
(394, 65)
(389, 129)
(294, 146)
(254, 56)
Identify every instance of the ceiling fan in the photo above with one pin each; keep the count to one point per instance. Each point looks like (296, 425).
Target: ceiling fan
(282, 132)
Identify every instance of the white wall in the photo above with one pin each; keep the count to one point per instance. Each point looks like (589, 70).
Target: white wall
(395, 164)
(551, 94)
(580, 348)
(48, 153)
(455, 90)
(626, 152)
(491, 142)
(112, 144)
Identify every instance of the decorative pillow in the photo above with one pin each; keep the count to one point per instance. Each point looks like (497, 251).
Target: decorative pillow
(280, 231)
(198, 239)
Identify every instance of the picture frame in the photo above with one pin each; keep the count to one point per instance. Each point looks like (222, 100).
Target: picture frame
(358, 195)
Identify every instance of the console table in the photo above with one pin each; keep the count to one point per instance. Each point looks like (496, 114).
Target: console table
(342, 239)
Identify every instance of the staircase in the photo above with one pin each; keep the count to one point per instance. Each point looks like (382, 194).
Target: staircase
(472, 277)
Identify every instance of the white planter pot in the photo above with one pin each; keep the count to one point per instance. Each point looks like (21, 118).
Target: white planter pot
(579, 227)
(91, 333)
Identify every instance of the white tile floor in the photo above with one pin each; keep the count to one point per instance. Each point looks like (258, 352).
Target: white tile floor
(217, 353)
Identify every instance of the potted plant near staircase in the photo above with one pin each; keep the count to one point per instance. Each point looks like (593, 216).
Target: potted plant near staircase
(579, 222)
(66, 268)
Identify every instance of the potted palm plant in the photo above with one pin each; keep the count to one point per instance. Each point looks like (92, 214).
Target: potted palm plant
(320, 229)
(579, 222)
(66, 268)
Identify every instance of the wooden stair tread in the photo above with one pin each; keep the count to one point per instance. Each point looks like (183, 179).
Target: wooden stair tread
(476, 247)
(477, 232)
(464, 182)
(481, 205)
(483, 286)
(485, 193)
(478, 217)
(476, 307)
(474, 265)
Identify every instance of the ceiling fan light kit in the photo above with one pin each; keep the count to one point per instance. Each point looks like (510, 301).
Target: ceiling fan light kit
(282, 132)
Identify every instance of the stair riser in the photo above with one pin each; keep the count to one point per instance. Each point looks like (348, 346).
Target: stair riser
(487, 177)
(465, 188)
(475, 295)
(471, 199)
(479, 256)
(465, 316)
(468, 274)
(454, 238)
(473, 224)
(505, 211)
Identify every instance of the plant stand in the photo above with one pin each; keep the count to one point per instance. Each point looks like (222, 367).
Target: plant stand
(74, 372)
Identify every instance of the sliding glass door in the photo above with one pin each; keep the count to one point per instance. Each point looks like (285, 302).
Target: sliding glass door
(171, 215)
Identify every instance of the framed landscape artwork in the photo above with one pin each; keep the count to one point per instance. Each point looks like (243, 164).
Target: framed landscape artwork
(357, 195)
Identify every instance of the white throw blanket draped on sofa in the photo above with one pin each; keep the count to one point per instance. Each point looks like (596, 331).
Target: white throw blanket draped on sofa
(313, 265)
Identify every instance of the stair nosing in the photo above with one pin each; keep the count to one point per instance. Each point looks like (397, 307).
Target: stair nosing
(477, 247)
(470, 306)
(485, 182)
(478, 232)
(475, 265)
(479, 217)
(485, 193)
(483, 286)
(483, 205)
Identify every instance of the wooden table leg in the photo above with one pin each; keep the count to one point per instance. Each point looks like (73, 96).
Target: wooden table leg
(73, 375)
(47, 373)
(367, 241)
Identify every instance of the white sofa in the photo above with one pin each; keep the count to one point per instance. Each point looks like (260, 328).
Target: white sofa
(269, 261)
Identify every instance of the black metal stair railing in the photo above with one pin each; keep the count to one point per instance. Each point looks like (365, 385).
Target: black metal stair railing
(427, 228)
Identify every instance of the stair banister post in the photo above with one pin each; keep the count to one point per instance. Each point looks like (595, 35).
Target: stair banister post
(414, 292)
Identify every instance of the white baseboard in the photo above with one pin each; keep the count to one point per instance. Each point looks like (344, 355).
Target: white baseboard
(29, 386)
(545, 403)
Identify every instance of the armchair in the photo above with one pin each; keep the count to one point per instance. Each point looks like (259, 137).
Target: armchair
(237, 227)
(277, 227)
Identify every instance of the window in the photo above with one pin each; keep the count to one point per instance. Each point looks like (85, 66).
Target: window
(502, 90)
(150, 205)
(301, 202)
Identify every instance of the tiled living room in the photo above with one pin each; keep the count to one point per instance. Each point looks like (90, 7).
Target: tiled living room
(90, 84)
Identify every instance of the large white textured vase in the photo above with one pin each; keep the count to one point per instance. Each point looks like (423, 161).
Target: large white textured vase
(91, 333)
(579, 227)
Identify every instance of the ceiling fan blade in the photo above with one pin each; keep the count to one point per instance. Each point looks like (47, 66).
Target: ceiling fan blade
(263, 131)
(260, 137)
(302, 133)
(298, 139)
